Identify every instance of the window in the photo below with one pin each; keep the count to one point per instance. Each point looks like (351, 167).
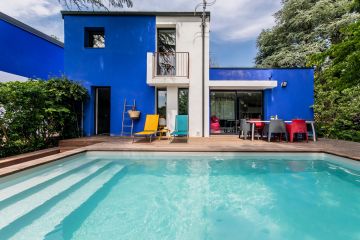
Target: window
(166, 38)
(183, 101)
(166, 47)
(250, 104)
(161, 103)
(228, 107)
(94, 37)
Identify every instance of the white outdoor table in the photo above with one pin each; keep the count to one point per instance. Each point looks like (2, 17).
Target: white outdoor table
(258, 121)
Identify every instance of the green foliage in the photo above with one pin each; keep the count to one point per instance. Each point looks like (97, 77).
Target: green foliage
(337, 113)
(35, 113)
(183, 101)
(337, 106)
(96, 4)
(338, 67)
(303, 27)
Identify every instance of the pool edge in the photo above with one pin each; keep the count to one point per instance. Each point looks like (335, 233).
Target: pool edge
(49, 159)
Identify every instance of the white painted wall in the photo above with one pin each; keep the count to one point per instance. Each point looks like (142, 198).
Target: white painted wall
(188, 39)
(171, 107)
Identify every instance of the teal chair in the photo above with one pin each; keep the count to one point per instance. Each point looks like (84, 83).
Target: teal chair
(181, 127)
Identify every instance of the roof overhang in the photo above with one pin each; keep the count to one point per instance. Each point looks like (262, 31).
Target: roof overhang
(132, 13)
(242, 84)
(29, 29)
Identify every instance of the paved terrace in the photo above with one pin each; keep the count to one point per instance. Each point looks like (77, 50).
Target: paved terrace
(212, 144)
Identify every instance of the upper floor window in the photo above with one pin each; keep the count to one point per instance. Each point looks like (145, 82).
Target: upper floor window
(95, 37)
(166, 47)
(166, 40)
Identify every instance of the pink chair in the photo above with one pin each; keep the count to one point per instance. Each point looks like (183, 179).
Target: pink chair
(214, 125)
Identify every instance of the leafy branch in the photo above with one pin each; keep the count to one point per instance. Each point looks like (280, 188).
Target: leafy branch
(96, 4)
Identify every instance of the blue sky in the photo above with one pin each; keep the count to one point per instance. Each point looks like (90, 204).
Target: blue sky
(235, 24)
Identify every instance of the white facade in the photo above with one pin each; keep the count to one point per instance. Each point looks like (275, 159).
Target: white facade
(188, 40)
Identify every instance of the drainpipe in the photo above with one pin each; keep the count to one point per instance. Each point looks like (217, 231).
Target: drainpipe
(203, 26)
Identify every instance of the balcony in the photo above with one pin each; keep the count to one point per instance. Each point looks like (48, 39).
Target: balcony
(168, 68)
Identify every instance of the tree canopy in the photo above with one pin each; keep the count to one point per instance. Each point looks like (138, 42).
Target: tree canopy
(303, 27)
(337, 85)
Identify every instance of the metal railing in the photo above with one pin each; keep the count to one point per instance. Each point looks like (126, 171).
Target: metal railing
(171, 64)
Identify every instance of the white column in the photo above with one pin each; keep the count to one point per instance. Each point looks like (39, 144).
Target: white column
(171, 106)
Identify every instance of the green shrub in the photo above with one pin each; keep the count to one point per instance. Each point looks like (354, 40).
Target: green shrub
(337, 113)
(337, 87)
(35, 113)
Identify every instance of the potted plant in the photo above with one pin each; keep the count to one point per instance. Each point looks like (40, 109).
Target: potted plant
(134, 114)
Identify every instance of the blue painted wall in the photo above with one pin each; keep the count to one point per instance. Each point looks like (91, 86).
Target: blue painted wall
(28, 55)
(293, 101)
(121, 65)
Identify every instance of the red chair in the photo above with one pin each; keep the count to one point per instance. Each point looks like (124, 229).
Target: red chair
(297, 126)
(259, 126)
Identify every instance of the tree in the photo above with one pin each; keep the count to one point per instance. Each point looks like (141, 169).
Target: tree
(100, 4)
(303, 28)
(337, 86)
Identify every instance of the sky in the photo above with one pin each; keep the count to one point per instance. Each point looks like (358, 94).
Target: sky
(234, 27)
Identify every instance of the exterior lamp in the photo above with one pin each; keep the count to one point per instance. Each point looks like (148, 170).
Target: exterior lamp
(283, 84)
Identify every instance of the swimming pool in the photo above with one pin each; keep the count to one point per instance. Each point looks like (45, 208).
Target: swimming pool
(124, 195)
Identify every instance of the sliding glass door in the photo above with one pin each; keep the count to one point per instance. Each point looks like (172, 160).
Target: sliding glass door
(228, 107)
(250, 104)
(223, 105)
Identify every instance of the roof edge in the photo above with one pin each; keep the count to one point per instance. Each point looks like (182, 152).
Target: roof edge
(29, 29)
(131, 13)
(260, 68)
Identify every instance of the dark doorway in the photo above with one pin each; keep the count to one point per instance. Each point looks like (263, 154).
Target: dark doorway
(102, 110)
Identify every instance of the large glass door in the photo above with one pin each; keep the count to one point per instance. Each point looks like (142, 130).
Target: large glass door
(223, 112)
(250, 104)
(228, 107)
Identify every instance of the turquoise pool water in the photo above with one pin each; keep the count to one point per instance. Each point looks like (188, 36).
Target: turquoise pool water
(102, 195)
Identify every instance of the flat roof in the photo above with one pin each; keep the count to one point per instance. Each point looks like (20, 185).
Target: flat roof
(29, 29)
(131, 13)
(260, 68)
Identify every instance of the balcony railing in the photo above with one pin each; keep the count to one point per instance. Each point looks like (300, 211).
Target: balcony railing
(171, 64)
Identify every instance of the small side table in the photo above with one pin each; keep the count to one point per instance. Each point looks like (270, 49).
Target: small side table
(163, 133)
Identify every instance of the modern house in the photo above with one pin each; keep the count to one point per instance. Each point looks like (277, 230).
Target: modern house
(155, 58)
(27, 53)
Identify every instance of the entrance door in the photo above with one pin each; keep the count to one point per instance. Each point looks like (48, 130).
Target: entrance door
(102, 110)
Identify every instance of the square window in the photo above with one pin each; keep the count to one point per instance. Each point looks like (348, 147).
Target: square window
(94, 38)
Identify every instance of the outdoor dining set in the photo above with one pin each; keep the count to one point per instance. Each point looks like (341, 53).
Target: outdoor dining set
(287, 130)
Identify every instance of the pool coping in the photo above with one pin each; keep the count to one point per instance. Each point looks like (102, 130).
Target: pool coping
(6, 171)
